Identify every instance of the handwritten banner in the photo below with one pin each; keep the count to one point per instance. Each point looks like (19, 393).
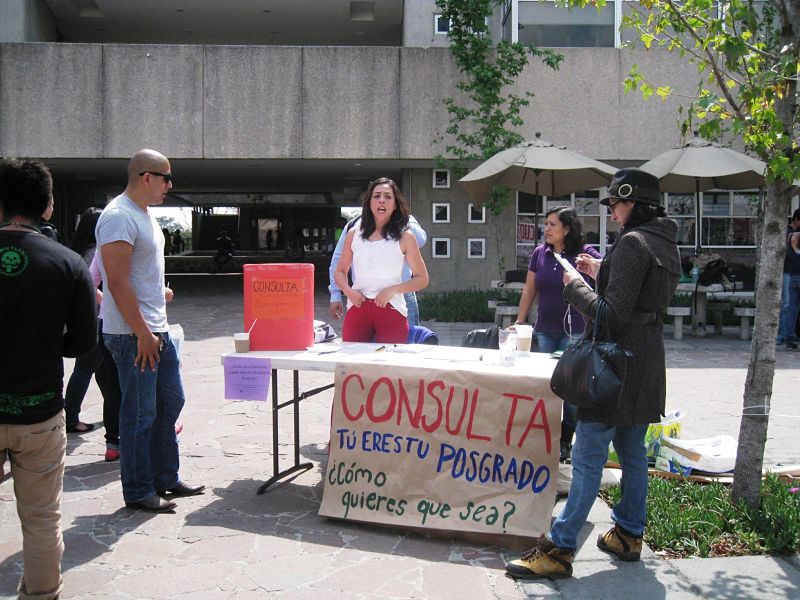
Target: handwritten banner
(443, 449)
(278, 298)
(246, 378)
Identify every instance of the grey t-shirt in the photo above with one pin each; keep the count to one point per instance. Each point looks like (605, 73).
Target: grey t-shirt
(123, 220)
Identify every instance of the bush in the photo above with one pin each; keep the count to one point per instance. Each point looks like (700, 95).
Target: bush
(466, 306)
(693, 519)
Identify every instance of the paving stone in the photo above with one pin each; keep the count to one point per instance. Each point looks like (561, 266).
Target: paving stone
(752, 577)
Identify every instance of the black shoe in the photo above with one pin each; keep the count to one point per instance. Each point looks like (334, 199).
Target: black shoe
(152, 504)
(181, 490)
(565, 451)
(791, 346)
(80, 427)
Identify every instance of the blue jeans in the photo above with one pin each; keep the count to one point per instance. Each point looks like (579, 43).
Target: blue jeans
(589, 454)
(413, 308)
(151, 403)
(549, 343)
(790, 305)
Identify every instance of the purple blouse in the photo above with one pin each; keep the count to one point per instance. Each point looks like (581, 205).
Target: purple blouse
(549, 289)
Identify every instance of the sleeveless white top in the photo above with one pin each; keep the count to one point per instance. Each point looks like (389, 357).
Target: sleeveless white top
(378, 265)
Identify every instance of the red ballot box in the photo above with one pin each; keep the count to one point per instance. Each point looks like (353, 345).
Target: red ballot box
(280, 299)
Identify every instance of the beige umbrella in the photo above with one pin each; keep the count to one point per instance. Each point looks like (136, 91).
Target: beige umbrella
(701, 165)
(537, 168)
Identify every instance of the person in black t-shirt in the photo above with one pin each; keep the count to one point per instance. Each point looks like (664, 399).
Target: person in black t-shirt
(48, 308)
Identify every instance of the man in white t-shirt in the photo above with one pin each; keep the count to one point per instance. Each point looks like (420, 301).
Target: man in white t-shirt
(136, 332)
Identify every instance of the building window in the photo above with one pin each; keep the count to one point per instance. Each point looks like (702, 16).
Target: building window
(544, 24)
(728, 218)
(440, 248)
(529, 229)
(531, 211)
(441, 178)
(476, 214)
(441, 25)
(476, 248)
(441, 212)
(587, 208)
(680, 208)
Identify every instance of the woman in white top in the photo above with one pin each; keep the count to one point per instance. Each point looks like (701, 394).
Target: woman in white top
(376, 251)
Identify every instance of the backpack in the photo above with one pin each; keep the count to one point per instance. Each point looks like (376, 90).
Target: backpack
(482, 338)
(516, 276)
(715, 272)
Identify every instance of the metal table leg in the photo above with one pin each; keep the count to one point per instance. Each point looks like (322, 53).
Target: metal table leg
(298, 467)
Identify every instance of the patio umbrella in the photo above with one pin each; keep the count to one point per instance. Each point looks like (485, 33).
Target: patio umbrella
(701, 165)
(537, 168)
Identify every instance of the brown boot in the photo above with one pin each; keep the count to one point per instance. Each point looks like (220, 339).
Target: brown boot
(543, 560)
(621, 544)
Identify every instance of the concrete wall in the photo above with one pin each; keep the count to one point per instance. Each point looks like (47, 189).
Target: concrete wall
(253, 102)
(106, 100)
(26, 21)
(351, 102)
(51, 100)
(418, 25)
(459, 272)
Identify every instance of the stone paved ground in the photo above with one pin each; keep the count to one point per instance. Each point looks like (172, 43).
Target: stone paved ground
(231, 543)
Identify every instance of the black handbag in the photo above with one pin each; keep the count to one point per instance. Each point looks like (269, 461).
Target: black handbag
(591, 373)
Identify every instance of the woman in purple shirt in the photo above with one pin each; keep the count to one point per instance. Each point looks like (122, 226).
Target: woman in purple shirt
(557, 324)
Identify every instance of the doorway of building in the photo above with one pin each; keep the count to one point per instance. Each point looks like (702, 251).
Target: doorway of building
(267, 234)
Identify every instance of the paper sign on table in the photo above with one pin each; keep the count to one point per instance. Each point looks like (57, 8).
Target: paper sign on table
(443, 448)
(246, 378)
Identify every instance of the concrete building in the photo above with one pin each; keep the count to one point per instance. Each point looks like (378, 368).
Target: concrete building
(286, 110)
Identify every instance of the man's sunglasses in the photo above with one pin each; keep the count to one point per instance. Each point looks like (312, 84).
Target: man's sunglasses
(167, 176)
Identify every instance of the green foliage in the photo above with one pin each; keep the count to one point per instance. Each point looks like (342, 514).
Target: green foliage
(692, 519)
(749, 51)
(465, 306)
(169, 222)
(488, 123)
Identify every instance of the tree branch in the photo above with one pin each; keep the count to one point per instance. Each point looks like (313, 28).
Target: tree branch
(712, 60)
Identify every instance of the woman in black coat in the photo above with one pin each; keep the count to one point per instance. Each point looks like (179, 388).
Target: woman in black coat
(637, 278)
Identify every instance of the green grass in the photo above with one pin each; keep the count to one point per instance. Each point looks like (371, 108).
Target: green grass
(693, 519)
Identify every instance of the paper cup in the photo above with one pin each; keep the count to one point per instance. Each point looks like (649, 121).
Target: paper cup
(524, 337)
(242, 342)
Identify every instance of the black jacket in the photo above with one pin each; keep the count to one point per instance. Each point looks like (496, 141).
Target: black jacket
(638, 275)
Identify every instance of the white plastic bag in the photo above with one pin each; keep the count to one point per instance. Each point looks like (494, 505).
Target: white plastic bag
(323, 332)
(714, 455)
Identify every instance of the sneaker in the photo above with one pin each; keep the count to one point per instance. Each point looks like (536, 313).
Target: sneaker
(791, 346)
(621, 544)
(111, 455)
(542, 561)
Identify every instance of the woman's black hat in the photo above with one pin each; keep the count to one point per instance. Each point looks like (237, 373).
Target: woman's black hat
(634, 184)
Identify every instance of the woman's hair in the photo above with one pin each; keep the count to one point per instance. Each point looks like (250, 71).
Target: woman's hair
(643, 213)
(84, 233)
(393, 230)
(573, 241)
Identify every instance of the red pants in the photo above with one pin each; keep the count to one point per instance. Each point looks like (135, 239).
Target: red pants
(369, 323)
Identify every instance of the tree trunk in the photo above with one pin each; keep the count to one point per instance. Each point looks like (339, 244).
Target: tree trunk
(760, 371)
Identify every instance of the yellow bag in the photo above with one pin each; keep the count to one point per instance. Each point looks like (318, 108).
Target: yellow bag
(670, 426)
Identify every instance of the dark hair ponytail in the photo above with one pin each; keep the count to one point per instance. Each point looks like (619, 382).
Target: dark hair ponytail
(643, 213)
